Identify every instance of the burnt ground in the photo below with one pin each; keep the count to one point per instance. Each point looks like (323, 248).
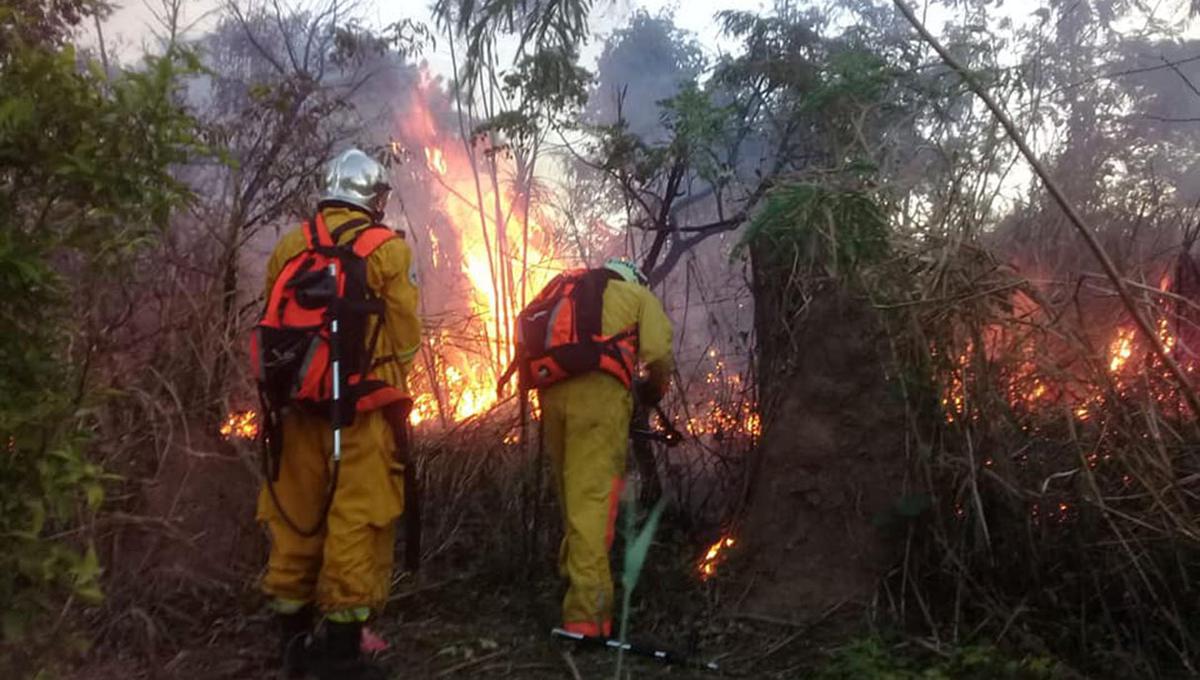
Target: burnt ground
(471, 625)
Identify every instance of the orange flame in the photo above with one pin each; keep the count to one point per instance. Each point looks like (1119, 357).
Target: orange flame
(240, 425)
(435, 161)
(492, 238)
(492, 246)
(1030, 391)
(724, 411)
(1120, 350)
(708, 564)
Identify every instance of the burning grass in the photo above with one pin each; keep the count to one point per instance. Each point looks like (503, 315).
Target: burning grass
(1064, 493)
(1050, 501)
(240, 425)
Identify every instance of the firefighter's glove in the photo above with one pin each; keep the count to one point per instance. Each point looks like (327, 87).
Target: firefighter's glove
(648, 394)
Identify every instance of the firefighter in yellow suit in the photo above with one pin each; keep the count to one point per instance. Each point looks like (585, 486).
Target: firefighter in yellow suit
(344, 571)
(585, 429)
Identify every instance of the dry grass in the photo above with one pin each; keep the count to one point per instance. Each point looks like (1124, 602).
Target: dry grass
(1064, 490)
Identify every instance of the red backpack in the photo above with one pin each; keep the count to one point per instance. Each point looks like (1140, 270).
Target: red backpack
(290, 350)
(559, 333)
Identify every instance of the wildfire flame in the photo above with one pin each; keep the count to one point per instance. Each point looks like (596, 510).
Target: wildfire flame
(708, 564)
(435, 161)
(1030, 391)
(723, 411)
(490, 246)
(1120, 350)
(240, 425)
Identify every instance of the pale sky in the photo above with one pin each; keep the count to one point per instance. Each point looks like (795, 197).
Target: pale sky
(130, 26)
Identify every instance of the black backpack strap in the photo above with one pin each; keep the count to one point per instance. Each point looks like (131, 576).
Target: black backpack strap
(368, 359)
(588, 298)
(336, 234)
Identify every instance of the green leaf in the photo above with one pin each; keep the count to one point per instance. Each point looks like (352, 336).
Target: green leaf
(637, 549)
(91, 594)
(95, 496)
(87, 570)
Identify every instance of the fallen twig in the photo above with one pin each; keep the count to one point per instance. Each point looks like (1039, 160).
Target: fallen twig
(470, 663)
(571, 665)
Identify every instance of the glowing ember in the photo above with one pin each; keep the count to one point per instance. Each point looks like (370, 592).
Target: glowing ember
(708, 564)
(720, 421)
(723, 410)
(240, 425)
(1164, 334)
(1120, 350)
(954, 394)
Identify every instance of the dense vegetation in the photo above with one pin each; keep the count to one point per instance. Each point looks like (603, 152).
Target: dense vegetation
(1050, 512)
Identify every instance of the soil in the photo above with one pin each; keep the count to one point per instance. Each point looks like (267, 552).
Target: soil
(831, 466)
(473, 627)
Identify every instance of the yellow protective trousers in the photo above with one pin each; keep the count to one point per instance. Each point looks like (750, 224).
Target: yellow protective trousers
(585, 430)
(346, 569)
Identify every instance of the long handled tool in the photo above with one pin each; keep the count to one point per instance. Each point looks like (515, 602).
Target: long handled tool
(663, 655)
(335, 360)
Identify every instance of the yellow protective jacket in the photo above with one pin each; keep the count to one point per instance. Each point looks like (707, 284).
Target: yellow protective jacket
(391, 274)
(628, 303)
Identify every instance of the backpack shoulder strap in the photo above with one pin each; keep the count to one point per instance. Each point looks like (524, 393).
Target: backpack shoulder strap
(316, 234)
(350, 225)
(369, 240)
(588, 298)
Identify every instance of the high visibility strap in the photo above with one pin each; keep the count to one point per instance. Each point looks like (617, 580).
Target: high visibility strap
(370, 239)
(317, 234)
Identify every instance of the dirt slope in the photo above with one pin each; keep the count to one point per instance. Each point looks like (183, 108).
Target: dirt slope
(832, 461)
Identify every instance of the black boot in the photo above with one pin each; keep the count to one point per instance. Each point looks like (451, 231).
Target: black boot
(295, 643)
(343, 659)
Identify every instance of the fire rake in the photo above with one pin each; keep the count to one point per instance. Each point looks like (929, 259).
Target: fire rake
(663, 655)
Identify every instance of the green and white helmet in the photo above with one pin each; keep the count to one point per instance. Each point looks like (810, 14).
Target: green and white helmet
(626, 268)
(356, 179)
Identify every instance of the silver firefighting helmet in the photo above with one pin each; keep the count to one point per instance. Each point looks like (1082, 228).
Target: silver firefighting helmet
(627, 269)
(356, 179)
